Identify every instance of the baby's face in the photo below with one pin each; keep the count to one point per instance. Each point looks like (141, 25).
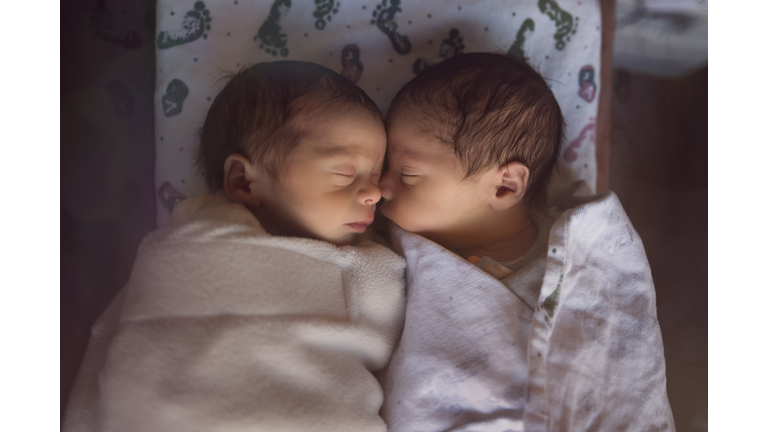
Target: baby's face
(328, 189)
(424, 188)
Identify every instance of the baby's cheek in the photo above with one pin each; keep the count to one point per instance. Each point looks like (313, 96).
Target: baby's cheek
(410, 213)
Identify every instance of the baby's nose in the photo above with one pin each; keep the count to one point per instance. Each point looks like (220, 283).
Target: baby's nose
(369, 194)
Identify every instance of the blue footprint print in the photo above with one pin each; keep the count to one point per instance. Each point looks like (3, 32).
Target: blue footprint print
(194, 25)
(563, 21)
(174, 97)
(325, 9)
(103, 27)
(270, 33)
(384, 18)
(122, 101)
(523, 34)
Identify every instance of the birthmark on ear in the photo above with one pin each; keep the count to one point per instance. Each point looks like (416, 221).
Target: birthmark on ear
(273, 41)
(193, 26)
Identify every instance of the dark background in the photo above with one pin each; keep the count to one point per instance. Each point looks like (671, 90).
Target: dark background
(658, 168)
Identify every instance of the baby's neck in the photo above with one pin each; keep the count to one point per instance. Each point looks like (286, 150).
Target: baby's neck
(512, 237)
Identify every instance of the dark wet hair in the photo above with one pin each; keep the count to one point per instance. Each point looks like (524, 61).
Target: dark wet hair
(256, 114)
(491, 109)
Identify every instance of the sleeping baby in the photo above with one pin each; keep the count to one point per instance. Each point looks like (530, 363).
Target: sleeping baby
(251, 310)
(514, 321)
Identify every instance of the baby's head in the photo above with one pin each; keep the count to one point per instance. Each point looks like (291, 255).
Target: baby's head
(471, 140)
(300, 146)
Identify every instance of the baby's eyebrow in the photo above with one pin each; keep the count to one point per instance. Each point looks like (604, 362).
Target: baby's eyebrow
(343, 151)
(411, 155)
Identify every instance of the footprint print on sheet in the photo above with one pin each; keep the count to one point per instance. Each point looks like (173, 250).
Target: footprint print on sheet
(524, 33)
(104, 27)
(350, 62)
(587, 86)
(586, 135)
(272, 40)
(122, 101)
(563, 21)
(174, 96)
(169, 197)
(452, 46)
(194, 25)
(325, 9)
(384, 18)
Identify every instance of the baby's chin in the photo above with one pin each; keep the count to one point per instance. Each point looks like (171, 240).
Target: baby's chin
(344, 240)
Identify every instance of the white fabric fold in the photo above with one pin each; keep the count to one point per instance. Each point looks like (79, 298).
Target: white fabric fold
(474, 357)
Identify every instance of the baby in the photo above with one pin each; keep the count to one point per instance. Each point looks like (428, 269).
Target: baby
(472, 145)
(506, 297)
(251, 311)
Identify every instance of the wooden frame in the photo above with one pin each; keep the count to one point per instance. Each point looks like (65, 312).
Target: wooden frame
(603, 138)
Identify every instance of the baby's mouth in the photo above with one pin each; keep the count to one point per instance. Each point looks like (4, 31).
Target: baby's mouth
(360, 226)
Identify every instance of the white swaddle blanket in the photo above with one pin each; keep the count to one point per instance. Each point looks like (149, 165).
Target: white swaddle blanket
(474, 357)
(224, 327)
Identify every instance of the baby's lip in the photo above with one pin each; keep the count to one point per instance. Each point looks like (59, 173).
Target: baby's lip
(360, 226)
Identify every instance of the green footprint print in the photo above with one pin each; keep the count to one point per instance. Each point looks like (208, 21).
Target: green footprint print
(523, 34)
(270, 34)
(563, 21)
(194, 25)
(452, 46)
(324, 10)
(103, 27)
(174, 96)
(385, 20)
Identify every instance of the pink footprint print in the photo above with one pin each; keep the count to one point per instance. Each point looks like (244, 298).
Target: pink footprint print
(350, 61)
(587, 133)
(587, 86)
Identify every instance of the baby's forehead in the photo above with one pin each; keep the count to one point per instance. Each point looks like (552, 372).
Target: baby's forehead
(341, 135)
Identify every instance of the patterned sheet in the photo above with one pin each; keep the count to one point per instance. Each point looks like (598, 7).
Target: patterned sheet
(380, 45)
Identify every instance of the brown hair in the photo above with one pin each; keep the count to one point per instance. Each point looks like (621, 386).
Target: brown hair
(491, 109)
(256, 114)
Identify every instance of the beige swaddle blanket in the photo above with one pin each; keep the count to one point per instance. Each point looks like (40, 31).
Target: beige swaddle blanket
(225, 327)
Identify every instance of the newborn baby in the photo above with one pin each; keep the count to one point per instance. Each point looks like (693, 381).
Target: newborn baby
(251, 310)
(520, 316)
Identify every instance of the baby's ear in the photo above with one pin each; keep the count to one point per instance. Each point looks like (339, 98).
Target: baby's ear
(511, 183)
(241, 180)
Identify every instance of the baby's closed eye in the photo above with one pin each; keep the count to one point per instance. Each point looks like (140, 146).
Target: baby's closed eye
(344, 177)
(410, 179)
